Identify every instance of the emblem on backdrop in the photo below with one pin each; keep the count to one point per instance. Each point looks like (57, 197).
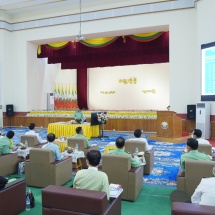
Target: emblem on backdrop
(164, 125)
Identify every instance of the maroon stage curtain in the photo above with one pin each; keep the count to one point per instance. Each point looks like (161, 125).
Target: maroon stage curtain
(81, 57)
(82, 88)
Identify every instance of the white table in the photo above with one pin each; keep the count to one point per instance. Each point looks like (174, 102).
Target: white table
(23, 152)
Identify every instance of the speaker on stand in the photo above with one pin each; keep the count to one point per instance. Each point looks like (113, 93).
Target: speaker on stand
(191, 111)
(9, 111)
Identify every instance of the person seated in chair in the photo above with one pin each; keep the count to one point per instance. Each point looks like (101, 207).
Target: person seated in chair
(138, 137)
(120, 143)
(205, 192)
(32, 132)
(6, 143)
(197, 134)
(91, 178)
(54, 147)
(192, 153)
(79, 116)
(80, 134)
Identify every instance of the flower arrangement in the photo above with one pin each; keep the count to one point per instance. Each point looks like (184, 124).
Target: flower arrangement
(102, 117)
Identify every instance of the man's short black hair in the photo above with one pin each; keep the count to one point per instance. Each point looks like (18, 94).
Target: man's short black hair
(197, 132)
(192, 143)
(137, 133)
(78, 130)
(10, 134)
(120, 142)
(51, 137)
(94, 157)
(3, 182)
(31, 126)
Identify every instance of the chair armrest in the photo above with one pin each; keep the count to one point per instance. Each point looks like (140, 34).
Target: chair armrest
(114, 206)
(134, 169)
(149, 151)
(179, 208)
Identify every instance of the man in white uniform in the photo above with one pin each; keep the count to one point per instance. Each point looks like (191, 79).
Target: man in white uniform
(205, 192)
(32, 132)
(138, 137)
(197, 134)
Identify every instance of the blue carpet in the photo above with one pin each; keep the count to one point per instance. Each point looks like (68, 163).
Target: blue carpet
(166, 162)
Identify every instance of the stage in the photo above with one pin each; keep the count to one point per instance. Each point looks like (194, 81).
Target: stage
(170, 140)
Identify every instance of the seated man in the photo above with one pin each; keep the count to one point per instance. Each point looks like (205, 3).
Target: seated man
(91, 178)
(137, 134)
(6, 143)
(32, 132)
(120, 143)
(205, 192)
(192, 153)
(79, 134)
(54, 147)
(197, 134)
(78, 116)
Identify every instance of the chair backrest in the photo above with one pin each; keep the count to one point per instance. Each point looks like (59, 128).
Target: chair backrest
(71, 200)
(41, 156)
(8, 164)
(82, 144)
(32, 140)
(195, 170)
(117, 168)
(130, 146)
(205, 148)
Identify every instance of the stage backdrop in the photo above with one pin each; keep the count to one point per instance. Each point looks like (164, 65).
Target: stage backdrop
(136, 87)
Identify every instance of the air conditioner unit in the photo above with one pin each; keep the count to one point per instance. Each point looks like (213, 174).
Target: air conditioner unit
(50, 101)
(1, 117)
(203, 119)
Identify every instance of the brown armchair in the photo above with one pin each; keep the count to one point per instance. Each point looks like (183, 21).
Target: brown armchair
(130, 146)
(62, 200)
(42, 169)
(180, 208)
(8, 164)
(82, 145)
(195, 170)
(13, 198)
(32, 141)
(119, 171)
(205, 148)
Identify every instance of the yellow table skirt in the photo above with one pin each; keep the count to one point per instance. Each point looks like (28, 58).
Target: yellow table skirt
(61, 145)
(68, 130)
(108, 148)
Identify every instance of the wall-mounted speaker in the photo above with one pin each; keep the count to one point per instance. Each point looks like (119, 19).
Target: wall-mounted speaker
(9, 110)
(191, 111)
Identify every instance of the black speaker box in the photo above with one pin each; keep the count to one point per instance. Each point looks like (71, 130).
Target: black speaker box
(9, 110)
(191, 111)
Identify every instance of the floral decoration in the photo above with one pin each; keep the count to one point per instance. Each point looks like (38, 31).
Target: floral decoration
(102, 117)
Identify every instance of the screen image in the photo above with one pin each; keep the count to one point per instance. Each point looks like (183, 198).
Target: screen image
(208, 72)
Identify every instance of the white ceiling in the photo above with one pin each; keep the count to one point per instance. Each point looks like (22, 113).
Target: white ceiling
(16, 7)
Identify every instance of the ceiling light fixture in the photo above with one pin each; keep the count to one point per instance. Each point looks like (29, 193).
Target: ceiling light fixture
(80, 37)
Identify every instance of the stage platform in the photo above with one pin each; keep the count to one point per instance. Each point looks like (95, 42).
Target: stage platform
(170, 140)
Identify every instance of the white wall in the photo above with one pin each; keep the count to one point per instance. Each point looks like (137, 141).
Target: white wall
(128, 84)
(184, 75)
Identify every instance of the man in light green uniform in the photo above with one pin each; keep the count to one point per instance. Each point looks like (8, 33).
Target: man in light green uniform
(78, 116)
(120, 143)
(79, 134)
(192, 153)
(91, 178)
(6, 143)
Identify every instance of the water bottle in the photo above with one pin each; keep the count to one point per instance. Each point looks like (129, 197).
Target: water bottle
(26, 144)
(28, 207)
(76, 146)
(136, 150)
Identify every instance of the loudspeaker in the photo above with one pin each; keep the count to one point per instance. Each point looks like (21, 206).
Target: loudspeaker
(9, 110)
(191, 111)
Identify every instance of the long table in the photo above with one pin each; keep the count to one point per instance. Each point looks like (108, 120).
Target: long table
(68, 130)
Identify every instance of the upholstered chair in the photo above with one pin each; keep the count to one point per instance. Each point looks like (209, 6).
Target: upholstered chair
(32, 141)
(42, 170)
(119, 171)
(130, 146)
